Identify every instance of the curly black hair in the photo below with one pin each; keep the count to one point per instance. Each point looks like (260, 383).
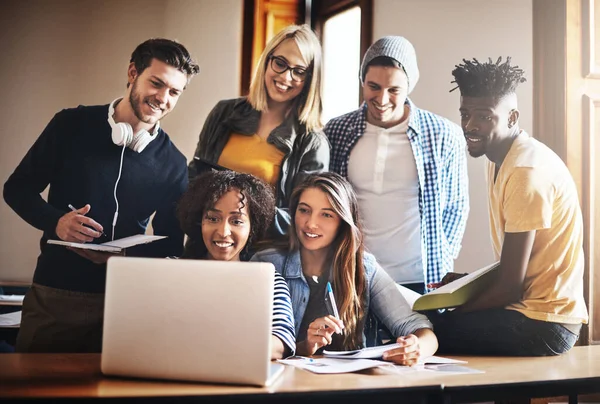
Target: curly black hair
(204, 192)
(475, 79)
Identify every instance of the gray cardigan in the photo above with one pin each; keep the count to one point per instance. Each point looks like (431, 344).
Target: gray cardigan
(305, 152)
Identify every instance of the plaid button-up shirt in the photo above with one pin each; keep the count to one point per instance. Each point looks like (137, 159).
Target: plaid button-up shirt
(438, 146)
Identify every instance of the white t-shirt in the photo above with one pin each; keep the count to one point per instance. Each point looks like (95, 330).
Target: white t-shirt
(383, 172)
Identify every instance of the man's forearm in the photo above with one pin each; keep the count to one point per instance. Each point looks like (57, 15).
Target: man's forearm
(498, 296)
(508, 285)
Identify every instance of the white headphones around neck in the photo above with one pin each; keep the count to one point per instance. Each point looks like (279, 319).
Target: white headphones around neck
(122, 133)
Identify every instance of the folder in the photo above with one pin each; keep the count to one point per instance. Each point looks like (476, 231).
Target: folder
(458, 292)
(114, 246)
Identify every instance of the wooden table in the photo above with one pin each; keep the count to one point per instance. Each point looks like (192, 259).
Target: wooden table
(78, 376)
(577, 372)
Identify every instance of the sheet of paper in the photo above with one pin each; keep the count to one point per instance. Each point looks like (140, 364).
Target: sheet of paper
(10, 320)
(331, 365)
(453, 369)
(339, 365)
(86, 246)
(12, 298)
(366, 353)
(377, 353)
(111, 246)
(438, 360)
(132, 240)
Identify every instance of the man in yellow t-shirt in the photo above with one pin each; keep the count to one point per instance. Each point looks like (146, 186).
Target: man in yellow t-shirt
(536, 305)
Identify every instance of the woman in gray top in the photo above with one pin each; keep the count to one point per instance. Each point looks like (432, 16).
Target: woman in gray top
(326, 245)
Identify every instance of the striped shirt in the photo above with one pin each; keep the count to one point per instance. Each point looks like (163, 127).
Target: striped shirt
(283, 316)
(438, 146)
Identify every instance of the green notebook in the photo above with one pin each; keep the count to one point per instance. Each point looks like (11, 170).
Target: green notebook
(458, 292)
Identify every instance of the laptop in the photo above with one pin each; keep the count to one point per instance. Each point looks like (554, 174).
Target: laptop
(193, 320)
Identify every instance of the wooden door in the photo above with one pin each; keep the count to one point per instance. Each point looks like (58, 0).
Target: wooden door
(263, 19)
(566, 46)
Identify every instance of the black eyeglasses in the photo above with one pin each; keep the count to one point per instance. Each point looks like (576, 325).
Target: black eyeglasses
(280, 65)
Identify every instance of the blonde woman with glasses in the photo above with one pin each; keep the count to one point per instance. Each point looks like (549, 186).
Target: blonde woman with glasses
(326, 251)
(274, 132)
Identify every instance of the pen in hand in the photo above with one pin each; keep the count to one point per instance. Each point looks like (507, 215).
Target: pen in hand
(74, 210)
(336, 314)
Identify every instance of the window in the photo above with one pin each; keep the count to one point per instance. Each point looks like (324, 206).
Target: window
(345, 30)
(341, 61)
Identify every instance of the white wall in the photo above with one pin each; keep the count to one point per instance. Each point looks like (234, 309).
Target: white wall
(62, 53)
(443, 33)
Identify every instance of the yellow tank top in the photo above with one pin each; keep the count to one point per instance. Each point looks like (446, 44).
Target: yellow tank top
(252, 155)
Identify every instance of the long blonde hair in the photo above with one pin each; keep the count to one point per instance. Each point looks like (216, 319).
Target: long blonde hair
(349, 279)
(308, 103)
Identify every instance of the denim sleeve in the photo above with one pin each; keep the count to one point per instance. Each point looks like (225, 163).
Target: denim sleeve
(388, 304)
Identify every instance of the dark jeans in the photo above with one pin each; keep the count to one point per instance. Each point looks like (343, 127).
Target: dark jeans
(499, 332)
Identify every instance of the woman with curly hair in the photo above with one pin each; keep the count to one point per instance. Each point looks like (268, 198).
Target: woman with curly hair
(223, 213)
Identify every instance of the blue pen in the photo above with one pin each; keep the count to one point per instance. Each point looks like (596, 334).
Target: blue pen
(332, 300)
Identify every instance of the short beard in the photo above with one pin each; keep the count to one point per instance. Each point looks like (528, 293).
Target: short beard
(135, 101)
(479, 154)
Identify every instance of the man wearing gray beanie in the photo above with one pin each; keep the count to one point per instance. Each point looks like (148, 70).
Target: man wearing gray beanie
(407, 166)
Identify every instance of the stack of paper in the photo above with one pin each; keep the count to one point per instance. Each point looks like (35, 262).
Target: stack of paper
(332, 366)
(114, 246)
(11, 300)
(375, 352)
(10, 320)
(366, 358)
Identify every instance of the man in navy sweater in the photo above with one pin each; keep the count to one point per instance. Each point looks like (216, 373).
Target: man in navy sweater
(100, 160)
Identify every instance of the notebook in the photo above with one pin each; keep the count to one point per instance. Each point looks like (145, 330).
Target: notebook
(458, 292)
(193, 320)
(374, 352)
(115, 246)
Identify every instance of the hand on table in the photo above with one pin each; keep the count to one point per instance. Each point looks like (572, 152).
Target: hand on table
(407, 354)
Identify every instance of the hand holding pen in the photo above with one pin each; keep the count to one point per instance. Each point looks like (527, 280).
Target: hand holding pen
(332, 301)
(75, 226)
(320, 331)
